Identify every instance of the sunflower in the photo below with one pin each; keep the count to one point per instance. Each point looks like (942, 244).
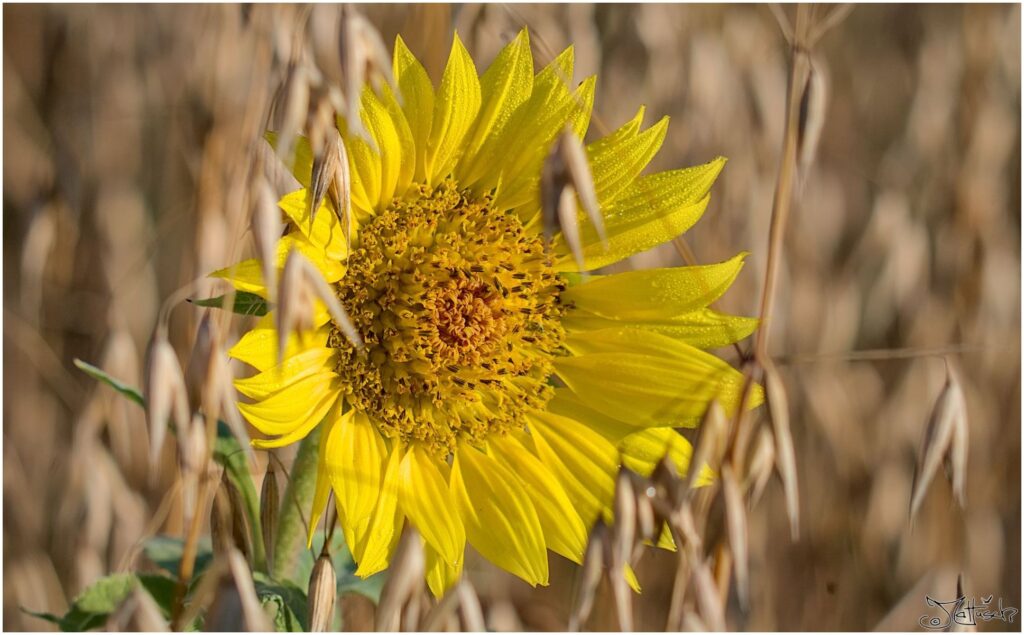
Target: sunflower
(498, 391)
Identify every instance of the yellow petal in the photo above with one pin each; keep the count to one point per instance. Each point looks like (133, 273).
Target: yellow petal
(324, 230)
(300, 164)
(406, 141)
(616, 165)
(248, 274)
(642, 451)
(567, 404)
(322, 490)
(631, 578)
(355, 461)
(500, 520)
(653, 210)
(364, 175)
(705, 329)
(293, 406)
(244, 276)
(389, 146)
(584, 462)
(374, 551)
(258, 347)
(658, 382)
(521, 179)
(427, 502)
(539, 119)
(441, 576)
(654, 293)
(293, 369)
(455, 109)
(505, 86)
(564, 532)
(417, 101)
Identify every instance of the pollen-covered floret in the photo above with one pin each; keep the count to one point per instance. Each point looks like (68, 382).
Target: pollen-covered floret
(459, 308)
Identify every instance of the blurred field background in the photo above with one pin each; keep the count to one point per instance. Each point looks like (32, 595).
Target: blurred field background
(128, 134)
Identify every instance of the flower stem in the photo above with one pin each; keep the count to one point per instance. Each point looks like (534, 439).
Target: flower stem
(298, 499)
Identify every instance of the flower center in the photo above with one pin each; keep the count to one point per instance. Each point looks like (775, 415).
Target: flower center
(459, 308)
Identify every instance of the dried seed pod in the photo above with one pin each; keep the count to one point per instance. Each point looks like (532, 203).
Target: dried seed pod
(590, 577)
(241, 531)
(949, 414)
(326, 168)
(811, 119)
(322, 591)
(574, 158)
(566, 178)
(166, 395)
(220, 521)
(709, 601)
(625, 518)
(407, 570)
(709, 445)
(778, 410)
(193, 455)
(469, 608)
(324, 25)
(760, 465)
(255, 619)
(736, 522)
(270, 503)
(292, 108)
(266, 230)
(958, 446)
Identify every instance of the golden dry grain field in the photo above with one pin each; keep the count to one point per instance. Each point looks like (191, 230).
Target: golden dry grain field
(410, 317)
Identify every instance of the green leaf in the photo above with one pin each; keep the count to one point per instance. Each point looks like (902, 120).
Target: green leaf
(49, 617)
(245, 303)
(119, 386)
(161, 588)
(91, 608)
(291, 614)
(166, 552)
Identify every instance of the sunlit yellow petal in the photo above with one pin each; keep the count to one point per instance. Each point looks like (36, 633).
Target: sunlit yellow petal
(660, 382)
(567, 404)
(583, 460)
(417, 101)
(427, 502)
(389, 146)
(651, 211)
(521, 177)
(455, 109)
(441, 576)
(322, 489)
(615, 165)
(705, 329)
(324, 230)
(406, 141)
(564, 532)
(505, 86)
(299, 406)
(385, 527)
(539, 119)
(500, 519)
(258, 347)
(355, 461)
(654, 293)
(301, 366)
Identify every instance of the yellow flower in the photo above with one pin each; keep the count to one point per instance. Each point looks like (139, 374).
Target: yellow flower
(498, 391)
